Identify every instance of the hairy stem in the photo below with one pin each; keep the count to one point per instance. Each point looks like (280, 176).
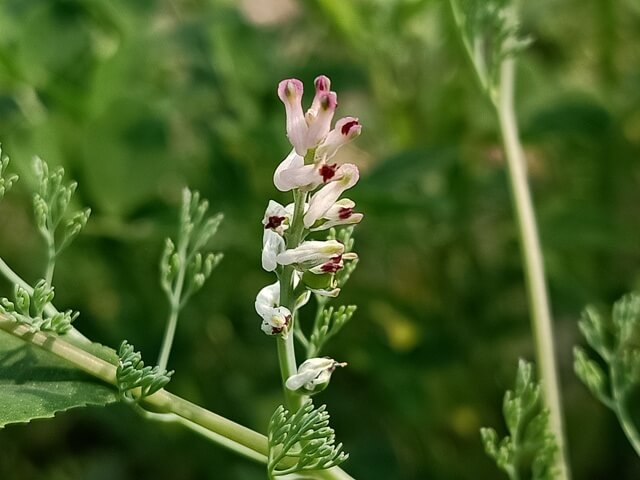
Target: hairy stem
(532, 256)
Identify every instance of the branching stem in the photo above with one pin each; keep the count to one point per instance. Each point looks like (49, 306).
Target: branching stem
(49, 309)
(216, 428)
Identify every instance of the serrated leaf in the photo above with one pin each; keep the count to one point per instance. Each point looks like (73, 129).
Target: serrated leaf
(37, 384)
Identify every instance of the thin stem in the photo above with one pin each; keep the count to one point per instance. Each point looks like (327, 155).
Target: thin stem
(167, 340)
(51, 259)
(175, 302)
(49, 308)
(286, 346)
(532, 256)
(216, 428)
(472, 51)
(503, 101)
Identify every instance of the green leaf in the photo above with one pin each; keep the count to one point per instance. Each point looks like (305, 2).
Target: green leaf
(37, 384)
(530, 449)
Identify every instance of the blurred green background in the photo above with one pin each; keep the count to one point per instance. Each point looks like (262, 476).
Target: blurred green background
(137, 99)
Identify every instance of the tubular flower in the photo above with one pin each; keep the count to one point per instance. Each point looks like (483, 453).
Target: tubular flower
(306, 131)
(311, 131)
(272, 245)
(344, 177)
(340, 213)
(313, 375)
(276, 319)
(311, 254)
(275, 221)
(346, 129)
(290, 92)
(276, 217)
(293, 173)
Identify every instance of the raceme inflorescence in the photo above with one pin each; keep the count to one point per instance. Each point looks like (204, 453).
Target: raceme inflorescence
(309, 256)
(307, 245)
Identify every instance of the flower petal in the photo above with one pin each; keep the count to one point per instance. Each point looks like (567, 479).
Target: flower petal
(346, 129)
(346, 177)
(272, 245)
(291, 161)
(290, 92)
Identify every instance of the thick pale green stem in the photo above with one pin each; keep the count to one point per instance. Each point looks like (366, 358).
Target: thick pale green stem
(502, 98)
(532, 256)
(216, 428)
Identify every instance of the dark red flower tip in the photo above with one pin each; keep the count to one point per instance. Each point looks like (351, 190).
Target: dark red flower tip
(346, 128)
(328, 171)
(344, 213)
(274, 222)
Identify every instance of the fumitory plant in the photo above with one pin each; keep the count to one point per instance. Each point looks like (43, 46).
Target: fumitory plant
(307, 245)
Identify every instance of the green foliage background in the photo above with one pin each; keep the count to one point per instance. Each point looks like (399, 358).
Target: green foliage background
(137, 99)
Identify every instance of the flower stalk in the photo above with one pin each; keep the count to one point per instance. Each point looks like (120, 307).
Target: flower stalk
(533, 259)
(495, 71)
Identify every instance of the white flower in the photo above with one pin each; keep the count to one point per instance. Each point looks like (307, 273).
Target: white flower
(340, 213)
(311, 254)
(272, 245)
(346, 176)
(293, 173)
(313, 375)
(276, 217)
(276, 319)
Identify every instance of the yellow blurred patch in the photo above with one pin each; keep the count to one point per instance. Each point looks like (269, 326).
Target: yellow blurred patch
(464, 421)
(402, 332)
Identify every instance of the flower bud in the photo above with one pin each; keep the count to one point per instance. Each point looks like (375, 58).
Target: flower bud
(313, 375)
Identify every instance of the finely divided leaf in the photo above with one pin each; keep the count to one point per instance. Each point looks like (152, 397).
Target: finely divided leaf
(37, 384)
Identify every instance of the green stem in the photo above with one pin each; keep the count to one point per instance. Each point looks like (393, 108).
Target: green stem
(532, 256)
(167, 340)
(620, 409)
(216, 428)
(479, 68)
(286, 345)
(503, 101)
(51, 260)
(175, 305)
(49, 308)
